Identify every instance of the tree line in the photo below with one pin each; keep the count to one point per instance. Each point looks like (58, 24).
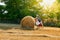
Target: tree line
(17, 9)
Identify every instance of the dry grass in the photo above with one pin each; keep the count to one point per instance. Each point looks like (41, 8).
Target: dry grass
(48, 33)
(28, 22)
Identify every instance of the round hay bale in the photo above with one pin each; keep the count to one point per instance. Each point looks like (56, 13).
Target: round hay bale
(28, 22)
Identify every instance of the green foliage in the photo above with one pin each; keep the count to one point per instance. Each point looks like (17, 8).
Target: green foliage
(2, 11)
(58, 1)
(58, 16)
(17, 9)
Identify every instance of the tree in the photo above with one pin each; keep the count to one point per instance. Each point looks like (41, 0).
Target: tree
(17, 9)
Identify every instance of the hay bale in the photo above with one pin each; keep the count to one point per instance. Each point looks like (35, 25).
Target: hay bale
(28, 22)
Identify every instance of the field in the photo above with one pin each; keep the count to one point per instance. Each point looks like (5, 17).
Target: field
(9, 32)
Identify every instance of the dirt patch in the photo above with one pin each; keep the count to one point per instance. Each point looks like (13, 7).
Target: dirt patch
(47, 33)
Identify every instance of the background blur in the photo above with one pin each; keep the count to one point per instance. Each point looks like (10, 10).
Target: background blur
(12, 11)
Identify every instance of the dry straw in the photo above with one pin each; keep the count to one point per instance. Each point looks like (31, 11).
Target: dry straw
(28, 22)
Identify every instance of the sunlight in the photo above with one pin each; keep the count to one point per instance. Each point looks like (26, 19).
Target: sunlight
(47, 3)
(2, 3)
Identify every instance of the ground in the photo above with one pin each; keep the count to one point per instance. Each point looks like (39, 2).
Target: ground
(46, 33)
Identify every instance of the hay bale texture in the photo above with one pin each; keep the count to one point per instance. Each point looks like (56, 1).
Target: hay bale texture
(28, 22)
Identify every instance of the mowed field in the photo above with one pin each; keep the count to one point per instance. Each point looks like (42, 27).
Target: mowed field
(46, 33)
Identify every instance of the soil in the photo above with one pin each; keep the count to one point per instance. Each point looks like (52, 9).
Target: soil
(46, 33)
